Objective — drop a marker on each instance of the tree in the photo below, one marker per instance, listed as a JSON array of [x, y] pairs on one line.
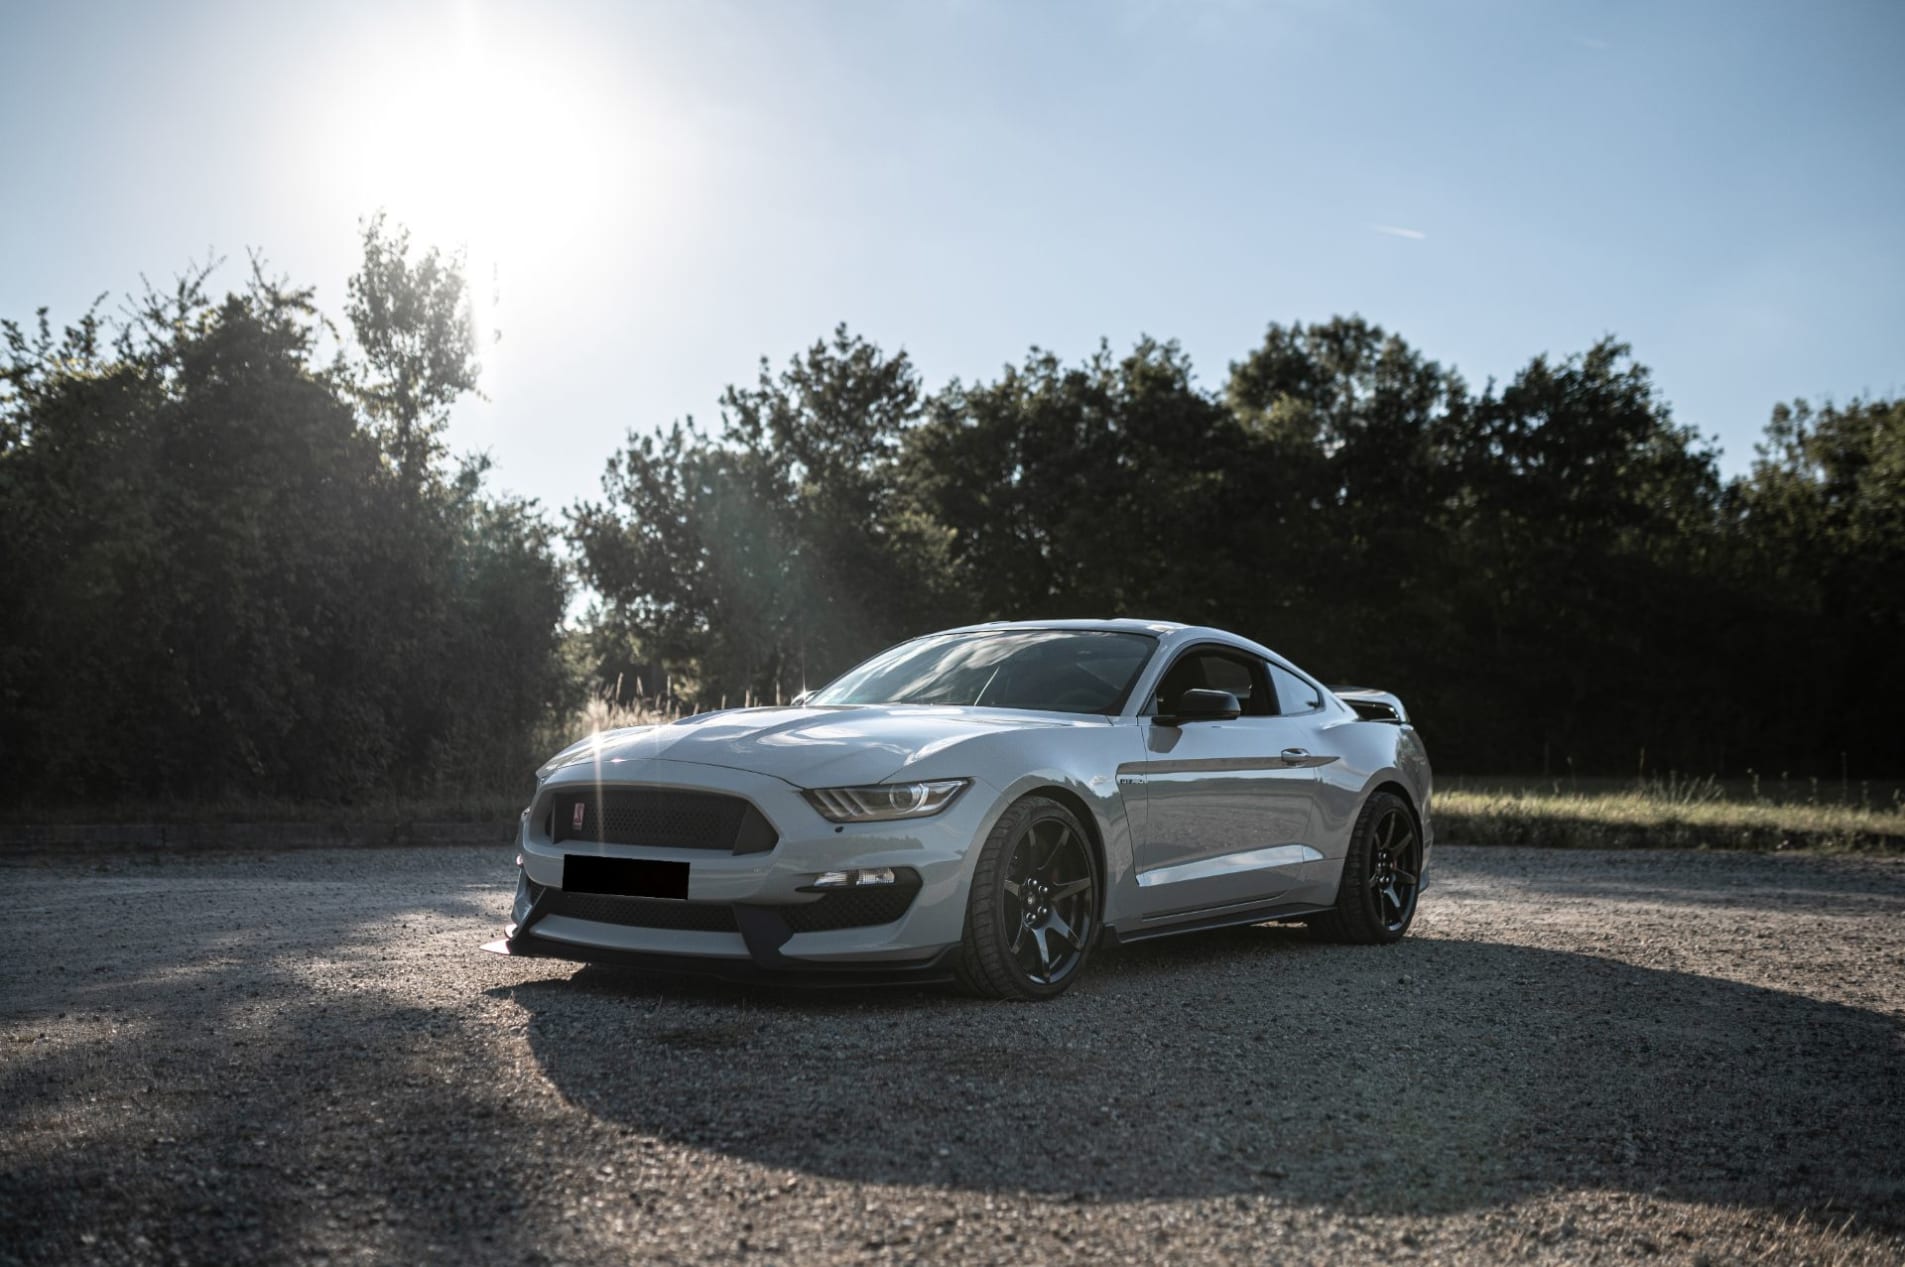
[[768, 556], [186, 502], [1352, 433], [249, 570], [1097, 488], [1824, 511], [235, 588], [1585, 516], [413, 322]]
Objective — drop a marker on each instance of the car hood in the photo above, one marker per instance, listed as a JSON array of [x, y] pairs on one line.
[[810, 747]]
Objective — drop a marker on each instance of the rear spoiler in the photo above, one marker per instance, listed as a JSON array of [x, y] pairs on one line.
[[1372, 705]]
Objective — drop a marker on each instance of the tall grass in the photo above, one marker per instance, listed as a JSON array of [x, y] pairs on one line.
[[608, 709], [1672, 811]]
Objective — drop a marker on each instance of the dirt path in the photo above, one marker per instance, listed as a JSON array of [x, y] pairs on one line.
[[1577, 1057]]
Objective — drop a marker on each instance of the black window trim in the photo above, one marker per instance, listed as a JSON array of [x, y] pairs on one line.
[[1323, 693]]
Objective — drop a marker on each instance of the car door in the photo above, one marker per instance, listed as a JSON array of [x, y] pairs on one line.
[[1230, 815]]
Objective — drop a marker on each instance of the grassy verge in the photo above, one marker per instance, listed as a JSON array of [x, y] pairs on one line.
[[472, 808], [1583, 813], [1671, 813]]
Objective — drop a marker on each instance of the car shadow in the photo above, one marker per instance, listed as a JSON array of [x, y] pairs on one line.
[[1433, 1075]]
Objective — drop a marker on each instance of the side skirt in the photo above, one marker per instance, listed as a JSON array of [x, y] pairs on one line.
[[1223, 919]]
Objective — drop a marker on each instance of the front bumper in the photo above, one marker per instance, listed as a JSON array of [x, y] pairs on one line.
[[754, 914]]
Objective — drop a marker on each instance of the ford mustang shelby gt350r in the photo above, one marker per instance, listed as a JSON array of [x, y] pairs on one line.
[[984, 804]]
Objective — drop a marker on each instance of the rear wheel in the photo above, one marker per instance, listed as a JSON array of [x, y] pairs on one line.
[[1032, 915], [1382, 876]]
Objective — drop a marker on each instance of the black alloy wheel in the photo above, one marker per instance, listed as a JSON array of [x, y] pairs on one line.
[[1033, 913], [1382, 877], [1396, 875]]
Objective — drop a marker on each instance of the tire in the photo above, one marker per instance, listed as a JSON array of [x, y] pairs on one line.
[[1382, 877], [1032, 913]]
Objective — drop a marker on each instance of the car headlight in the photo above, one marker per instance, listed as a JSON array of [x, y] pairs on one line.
[[883, 802]]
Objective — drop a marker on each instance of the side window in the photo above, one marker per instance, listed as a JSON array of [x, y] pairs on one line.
[[1216, 672], [1293, 693]]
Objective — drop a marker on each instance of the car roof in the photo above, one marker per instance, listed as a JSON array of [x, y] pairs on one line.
[[1168, 632], [1121, 624]]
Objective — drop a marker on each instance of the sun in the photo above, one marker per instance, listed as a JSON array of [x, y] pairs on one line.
[[496, 134]]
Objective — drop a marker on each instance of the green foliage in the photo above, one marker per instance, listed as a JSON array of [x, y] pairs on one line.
[[240, 571], [1822, 525], [412, 319], [228, 581], [1076, 490], [1550, 570], [764, 559], [1583, 513], [1356, 474]]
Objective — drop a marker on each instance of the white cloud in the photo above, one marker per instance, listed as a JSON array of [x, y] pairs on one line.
[[1394, 231]]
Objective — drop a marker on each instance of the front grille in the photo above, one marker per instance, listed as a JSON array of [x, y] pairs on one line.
[[660, 817], [642, 912], [858, 907]]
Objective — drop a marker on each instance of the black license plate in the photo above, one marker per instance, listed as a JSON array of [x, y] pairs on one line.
[[624, 877]]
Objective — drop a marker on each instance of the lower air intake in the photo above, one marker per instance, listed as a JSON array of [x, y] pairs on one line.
[[859, 907], [643, 912]]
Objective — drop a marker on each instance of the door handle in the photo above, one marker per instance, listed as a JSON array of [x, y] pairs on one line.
[[1294, 755]]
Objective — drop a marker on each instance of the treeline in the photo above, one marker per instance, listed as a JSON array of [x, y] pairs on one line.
[[237, 560], [1550, 571], [236, 565]]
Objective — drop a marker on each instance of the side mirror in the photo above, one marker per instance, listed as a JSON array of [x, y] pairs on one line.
[[800, 699], [1203, 705]]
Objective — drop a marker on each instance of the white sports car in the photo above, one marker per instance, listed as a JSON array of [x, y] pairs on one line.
[[985, 804]]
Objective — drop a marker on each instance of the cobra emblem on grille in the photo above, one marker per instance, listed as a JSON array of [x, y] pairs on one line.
[[581, 810]]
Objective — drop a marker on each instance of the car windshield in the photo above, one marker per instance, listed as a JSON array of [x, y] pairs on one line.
[[1051, 670]]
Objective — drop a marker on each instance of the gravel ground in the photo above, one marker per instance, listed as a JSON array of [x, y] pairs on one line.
[[1576, 1057]]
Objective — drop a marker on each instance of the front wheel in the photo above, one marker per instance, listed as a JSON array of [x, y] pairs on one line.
[[1032, 915], [1382, 876]]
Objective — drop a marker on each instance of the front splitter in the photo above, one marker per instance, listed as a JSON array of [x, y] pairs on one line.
[[933, 970]]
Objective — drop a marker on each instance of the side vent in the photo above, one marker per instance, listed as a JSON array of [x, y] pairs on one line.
[[1372, 705]]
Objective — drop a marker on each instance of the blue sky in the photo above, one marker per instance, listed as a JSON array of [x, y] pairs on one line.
[[656, 196]]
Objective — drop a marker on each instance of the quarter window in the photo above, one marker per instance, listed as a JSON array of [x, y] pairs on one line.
[[1293, 693]]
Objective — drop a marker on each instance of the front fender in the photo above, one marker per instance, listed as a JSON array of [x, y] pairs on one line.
[[1108, 821], [1083, 768]]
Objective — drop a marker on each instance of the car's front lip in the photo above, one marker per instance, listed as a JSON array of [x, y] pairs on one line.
[[938, 849], [930, 969]]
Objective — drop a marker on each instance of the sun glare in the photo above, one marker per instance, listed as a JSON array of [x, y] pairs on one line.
[[504, 140]]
